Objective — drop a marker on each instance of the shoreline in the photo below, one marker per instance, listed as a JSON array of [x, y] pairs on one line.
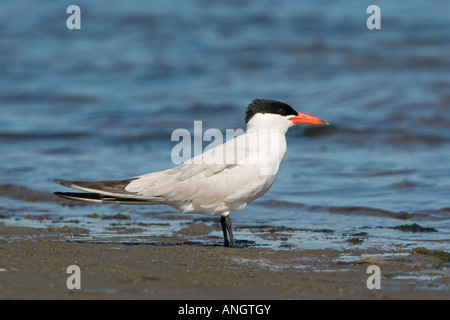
[[34, 262]]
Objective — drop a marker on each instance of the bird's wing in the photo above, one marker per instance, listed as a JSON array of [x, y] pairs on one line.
[[111, 188], [207, 179], [99, 198], [178, 184], [221, 174], [205, 186]]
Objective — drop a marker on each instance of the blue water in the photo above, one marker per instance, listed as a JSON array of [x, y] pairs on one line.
[[101, 103]]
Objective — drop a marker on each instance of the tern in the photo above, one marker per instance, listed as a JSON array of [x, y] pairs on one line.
[[222, 179]]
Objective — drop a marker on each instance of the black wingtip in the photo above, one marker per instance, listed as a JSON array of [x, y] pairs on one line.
[[65, 183], [79, 195]]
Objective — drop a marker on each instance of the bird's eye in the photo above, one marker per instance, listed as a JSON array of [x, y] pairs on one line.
[[281, 111]]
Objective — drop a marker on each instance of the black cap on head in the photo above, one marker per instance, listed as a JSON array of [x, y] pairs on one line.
[[268, 106]]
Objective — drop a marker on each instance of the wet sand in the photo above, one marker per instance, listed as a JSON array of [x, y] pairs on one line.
[[34, 261]]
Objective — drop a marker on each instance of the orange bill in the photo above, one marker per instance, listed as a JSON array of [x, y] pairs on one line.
[[307, 119]]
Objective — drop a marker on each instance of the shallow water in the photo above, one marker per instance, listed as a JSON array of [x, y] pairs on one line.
[[101, 103]]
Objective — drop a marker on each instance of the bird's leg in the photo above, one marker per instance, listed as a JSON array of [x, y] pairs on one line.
[[230, 232], [227, 231], [224, 230]]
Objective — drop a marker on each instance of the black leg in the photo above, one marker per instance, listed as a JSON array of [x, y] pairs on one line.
[[224, 230], [227, 231], [230, 232]]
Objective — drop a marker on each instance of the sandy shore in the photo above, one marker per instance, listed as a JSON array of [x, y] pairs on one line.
[[33, 265]]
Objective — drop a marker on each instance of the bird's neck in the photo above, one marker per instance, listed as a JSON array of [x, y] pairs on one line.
[[268, 147]]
